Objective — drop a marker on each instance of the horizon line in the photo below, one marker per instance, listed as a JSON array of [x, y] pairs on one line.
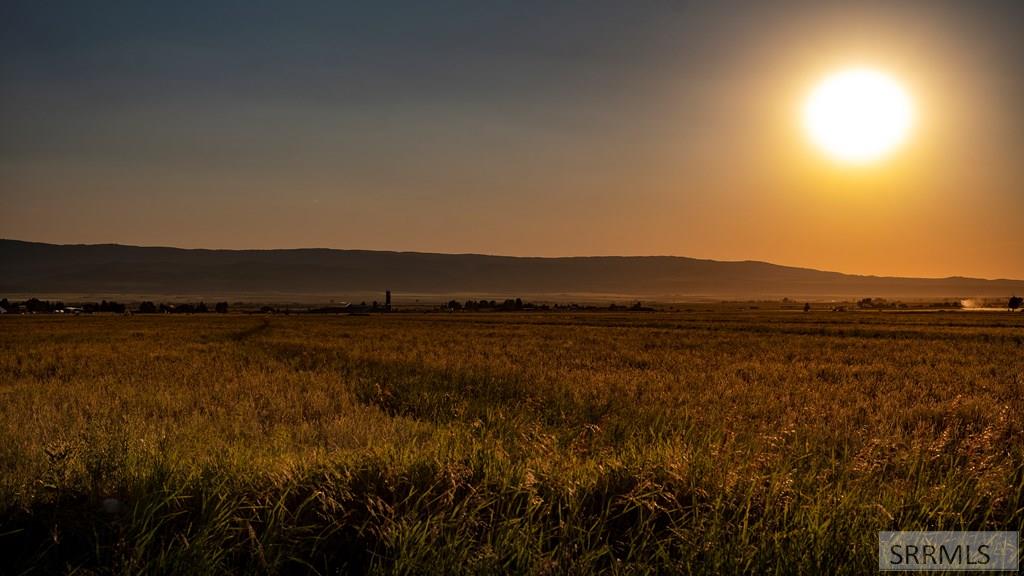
[[480, 254]]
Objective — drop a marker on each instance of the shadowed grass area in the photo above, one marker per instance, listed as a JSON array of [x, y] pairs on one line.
[[706, 442]]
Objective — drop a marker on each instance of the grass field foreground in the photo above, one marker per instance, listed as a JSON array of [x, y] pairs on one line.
[[713, 441]]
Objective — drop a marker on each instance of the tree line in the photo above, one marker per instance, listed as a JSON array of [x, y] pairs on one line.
[[516, 304], [37, 306]]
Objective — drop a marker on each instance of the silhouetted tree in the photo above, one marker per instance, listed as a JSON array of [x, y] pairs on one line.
[[37, 305], [454, 305], [866, 303], [147, 307], [201, 308], [105, 306], [1015, 302], [807, 307], [221, 308]]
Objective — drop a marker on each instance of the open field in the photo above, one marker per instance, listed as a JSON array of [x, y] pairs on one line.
[[713, 441]]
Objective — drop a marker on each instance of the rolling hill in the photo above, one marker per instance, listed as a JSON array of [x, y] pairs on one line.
[[41, 269]]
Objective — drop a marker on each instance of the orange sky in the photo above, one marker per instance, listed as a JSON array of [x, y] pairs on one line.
[[523, 131]]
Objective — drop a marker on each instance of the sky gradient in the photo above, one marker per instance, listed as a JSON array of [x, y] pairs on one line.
[[542, 129]]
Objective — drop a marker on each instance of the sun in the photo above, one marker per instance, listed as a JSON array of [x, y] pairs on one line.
[[858, 115]]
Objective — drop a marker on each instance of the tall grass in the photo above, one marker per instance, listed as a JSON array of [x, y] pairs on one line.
[[706, 442]]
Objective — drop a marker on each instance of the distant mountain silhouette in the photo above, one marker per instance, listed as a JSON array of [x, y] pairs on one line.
[[37, 268]]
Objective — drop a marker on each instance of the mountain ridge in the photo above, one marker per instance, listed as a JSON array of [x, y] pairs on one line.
[[36, 267]]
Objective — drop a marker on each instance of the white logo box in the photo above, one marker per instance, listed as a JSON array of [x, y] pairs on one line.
[[995, 551]]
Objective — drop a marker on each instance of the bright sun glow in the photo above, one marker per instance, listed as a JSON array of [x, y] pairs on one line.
[[858, 115]]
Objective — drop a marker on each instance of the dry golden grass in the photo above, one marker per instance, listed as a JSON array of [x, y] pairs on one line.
[[712, 441]]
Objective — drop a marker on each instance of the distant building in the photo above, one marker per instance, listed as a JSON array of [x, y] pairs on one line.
[[353, 308]]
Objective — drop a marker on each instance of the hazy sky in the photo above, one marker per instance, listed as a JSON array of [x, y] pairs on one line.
[[547, 128]]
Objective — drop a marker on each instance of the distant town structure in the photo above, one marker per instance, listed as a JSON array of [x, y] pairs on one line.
[[356, 308]]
